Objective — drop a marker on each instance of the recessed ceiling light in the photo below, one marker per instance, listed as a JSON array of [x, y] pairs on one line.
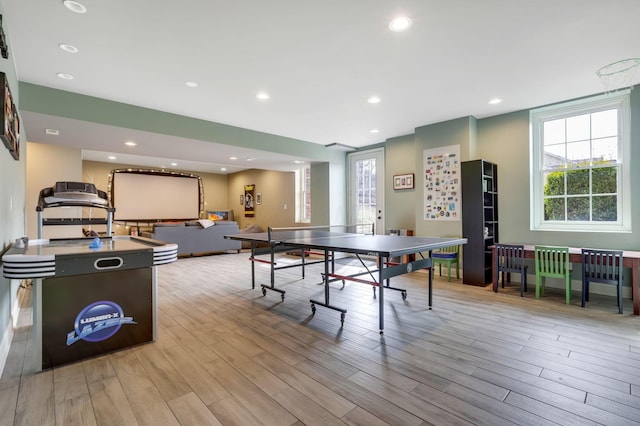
[[130, 143], [53, 132], [65, 76], [263, 96], [224, 169], [374, 100], [233, 158], [111, 157], [68, 48], [191, 84], [399, 24], [250, 159], [74, 6], [374, 131], [174, 164], [298, 161], [495, 101]]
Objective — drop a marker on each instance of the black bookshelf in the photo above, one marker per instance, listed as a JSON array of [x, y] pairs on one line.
[[479, 220]]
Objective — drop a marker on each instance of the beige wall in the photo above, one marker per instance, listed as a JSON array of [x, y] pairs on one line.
[[49, 164], [278, 197], [46, 165]]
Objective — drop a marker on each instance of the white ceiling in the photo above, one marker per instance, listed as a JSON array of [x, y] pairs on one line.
[[319, 60]]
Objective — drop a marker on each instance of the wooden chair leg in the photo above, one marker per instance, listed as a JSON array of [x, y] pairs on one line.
[[567, 291]]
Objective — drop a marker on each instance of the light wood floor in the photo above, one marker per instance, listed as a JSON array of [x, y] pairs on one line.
[[227, 355]]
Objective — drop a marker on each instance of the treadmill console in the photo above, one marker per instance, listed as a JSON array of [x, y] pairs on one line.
[[79, 190]]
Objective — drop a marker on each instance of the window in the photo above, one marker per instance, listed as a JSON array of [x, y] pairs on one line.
[[303, 195], [580, 181]]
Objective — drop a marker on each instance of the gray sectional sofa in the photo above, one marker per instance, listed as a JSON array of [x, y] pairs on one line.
[[193, 238]]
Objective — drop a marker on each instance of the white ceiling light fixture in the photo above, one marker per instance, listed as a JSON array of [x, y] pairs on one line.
[[191, 84], [224, 169], [130, 143], [374, 100], [374, 131], [111, 157], [68, 48], [174, 164], [263, 96], [233, 158], [495, 101], [65, 76], [74, 6], [399, 24], [52, 132]]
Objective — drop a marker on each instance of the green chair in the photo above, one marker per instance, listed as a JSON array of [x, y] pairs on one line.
[[552, 262], [448, 256]]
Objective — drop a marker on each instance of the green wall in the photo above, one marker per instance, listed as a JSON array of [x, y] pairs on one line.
[[12, 206]]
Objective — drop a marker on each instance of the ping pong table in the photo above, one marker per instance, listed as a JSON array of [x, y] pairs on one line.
[[325, 241]]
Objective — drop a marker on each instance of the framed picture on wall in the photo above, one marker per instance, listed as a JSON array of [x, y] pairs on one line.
[[10, 129], [405, 181]]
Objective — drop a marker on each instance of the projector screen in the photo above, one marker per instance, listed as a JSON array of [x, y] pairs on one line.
[[151, 196]]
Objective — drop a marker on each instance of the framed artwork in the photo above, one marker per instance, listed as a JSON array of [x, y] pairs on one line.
[[249, 197], [10, 129], [405, 181], [258, 198]]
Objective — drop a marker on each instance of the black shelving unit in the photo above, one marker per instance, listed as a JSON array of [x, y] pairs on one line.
[[479, 220]]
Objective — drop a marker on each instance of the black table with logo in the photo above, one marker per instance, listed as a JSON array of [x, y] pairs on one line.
[[90, 296]]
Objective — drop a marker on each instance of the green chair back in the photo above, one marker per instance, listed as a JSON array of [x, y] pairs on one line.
[[552, 262]]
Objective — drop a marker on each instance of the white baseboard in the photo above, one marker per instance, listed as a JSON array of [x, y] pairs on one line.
[[5, 345], [7, 335]]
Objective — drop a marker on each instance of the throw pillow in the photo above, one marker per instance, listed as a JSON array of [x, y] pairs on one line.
[[205, 223]]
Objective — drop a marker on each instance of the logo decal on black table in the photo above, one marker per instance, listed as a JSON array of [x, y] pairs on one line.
[[97, 322]]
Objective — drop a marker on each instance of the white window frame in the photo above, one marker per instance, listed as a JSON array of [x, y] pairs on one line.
[[537, 117], [301, 194]]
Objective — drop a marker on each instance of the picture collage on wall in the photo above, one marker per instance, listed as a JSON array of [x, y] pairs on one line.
[[442, 198]]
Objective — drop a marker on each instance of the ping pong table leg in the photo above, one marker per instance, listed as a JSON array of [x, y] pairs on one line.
[[253, 265], [430, 280], [272, 285], [383, 262], [327, 280]]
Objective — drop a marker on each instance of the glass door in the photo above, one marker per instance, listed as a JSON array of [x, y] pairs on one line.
[[366, 189]]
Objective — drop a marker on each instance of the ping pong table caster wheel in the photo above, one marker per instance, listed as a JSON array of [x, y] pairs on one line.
[[342, 318], [313, 309], [264, 291], [404, 295], [282, 296]]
